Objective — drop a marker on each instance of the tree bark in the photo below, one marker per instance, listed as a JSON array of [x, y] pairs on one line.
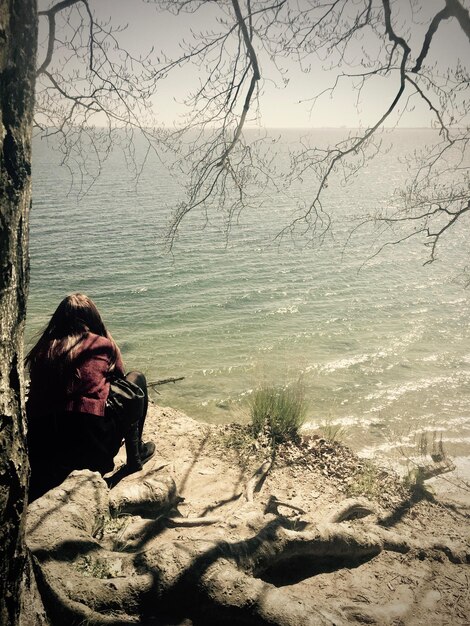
[[18, 39]]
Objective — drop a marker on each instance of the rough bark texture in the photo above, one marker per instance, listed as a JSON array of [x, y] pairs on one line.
[[18, 35]]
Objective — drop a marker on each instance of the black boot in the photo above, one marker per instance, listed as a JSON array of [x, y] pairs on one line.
[[132, 440], [147, 450], [137, 451]]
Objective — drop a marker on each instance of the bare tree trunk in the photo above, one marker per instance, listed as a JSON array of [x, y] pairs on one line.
[[18, 39]]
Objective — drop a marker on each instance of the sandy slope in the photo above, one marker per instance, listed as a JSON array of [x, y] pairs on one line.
[[219, 553], [400, 588]]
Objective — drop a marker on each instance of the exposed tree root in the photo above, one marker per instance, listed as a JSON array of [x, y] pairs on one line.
[[352, 508], [145, 493], [189, 522], [209, 579]]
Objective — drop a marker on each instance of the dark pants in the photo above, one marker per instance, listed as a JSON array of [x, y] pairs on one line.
[[139, 379], [61, 442]]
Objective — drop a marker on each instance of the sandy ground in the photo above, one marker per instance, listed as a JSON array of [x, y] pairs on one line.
[[409, 589]]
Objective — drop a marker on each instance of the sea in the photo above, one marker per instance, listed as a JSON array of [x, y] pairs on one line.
[[380, 342]]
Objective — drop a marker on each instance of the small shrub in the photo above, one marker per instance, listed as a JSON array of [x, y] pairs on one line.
[[332, 432], [280, 409], [414, 483], [414, 479], [431, 460]]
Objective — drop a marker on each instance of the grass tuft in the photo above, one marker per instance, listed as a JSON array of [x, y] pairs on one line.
[[280, 409], [333, 432]]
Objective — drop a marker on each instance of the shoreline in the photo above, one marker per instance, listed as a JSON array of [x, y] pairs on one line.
[[398, 455]]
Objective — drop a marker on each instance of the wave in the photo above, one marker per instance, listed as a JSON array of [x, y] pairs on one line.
[[393, 393], [139, 289], [344, 363], [210, 305], [284, 310]]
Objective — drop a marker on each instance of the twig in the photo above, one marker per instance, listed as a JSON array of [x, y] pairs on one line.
[[164, 381]]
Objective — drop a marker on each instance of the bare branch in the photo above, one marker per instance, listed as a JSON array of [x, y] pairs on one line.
[[254, 79], [50, 14], [462, 15], [94, 82], [433, 26], [435, 236], [444, 128]]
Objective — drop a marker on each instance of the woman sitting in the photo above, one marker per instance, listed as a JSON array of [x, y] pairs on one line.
[[70, 425]]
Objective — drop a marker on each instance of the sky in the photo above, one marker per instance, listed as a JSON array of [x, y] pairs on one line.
[[279, 107]]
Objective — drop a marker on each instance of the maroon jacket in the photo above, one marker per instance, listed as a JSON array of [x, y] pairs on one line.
[[90, 388]]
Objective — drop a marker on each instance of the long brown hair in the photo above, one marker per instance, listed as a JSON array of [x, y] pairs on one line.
[[59, 344]]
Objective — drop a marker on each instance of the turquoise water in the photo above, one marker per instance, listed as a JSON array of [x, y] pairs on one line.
[[382, 348]]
